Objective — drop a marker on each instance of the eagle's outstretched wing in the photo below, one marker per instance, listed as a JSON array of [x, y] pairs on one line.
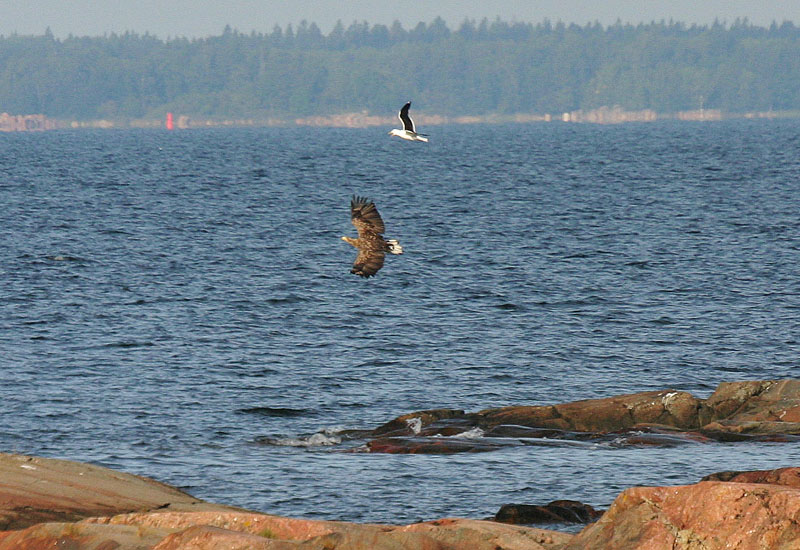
[[365, 217], [368, 263]]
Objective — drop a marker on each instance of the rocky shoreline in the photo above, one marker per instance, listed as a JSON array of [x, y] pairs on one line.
[[49, 503]]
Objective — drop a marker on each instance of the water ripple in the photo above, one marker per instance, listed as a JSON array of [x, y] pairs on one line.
[[166, 299]]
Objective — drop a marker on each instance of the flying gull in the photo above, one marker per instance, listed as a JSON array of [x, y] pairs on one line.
[[371, 245], [408, 132]]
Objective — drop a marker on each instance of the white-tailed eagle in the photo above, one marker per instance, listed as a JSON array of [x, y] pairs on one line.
[[371, 245]]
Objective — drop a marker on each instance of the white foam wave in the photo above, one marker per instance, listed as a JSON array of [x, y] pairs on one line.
[[474, 433], [319, 439]]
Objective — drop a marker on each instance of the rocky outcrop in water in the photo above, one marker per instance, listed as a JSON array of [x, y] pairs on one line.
[[752, 410]]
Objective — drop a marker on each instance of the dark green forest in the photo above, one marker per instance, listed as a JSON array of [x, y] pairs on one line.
[[480, 68]]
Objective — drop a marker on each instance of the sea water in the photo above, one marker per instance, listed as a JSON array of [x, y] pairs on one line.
[[179, 304]]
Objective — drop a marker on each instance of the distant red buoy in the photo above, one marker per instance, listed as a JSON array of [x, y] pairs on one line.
[[170, 124]]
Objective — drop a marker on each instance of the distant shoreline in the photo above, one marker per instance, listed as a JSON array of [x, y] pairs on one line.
[[601, 115]]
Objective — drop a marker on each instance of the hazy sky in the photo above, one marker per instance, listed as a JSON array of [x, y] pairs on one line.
[[197, 18]]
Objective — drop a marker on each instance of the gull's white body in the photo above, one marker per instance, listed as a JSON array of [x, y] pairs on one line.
[[408, 132], [405, 134]]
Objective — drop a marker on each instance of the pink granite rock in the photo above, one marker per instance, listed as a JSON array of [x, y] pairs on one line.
[[709, 515]]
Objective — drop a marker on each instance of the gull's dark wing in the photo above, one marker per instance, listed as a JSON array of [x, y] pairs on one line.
[[408, 124]]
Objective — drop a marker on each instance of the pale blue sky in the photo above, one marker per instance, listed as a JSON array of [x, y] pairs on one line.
[[197, 18]]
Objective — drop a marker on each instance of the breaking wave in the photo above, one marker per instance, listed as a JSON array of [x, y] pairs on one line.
[[474, 433], [324, 438]]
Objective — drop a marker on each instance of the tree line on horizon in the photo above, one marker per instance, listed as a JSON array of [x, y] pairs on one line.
[[480, 68]]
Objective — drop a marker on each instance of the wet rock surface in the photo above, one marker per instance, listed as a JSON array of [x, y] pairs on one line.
[[558, 511]]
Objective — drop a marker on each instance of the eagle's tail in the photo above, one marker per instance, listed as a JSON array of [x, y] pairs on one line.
[[394, 246]]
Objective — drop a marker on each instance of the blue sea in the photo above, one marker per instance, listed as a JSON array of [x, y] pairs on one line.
[[179, 304]]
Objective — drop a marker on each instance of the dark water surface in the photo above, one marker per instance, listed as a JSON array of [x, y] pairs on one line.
[[170, 301]]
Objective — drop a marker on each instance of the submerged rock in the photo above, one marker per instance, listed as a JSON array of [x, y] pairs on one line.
[[430, 445]]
